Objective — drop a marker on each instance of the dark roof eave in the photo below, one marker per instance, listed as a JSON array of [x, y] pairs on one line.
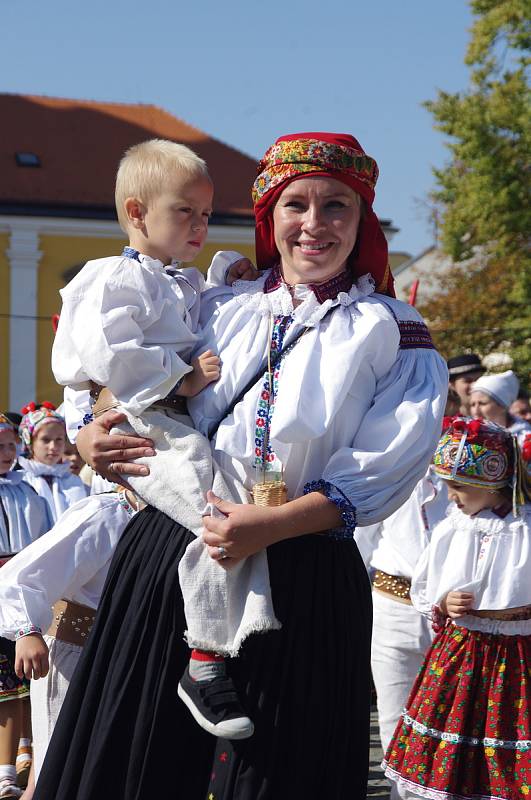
[[105, 213]]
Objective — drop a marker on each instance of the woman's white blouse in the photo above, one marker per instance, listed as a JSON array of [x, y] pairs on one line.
[[353, 408], [485, 555], [395, 545], [55, 484], [26, 513], [70, 561]]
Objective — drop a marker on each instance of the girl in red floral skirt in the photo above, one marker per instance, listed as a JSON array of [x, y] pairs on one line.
[[465, 733]]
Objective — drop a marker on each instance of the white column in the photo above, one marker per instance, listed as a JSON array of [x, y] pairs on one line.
[[24, 256]]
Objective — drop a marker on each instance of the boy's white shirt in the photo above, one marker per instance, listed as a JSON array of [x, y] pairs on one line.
[[70, 561], [132, 326]]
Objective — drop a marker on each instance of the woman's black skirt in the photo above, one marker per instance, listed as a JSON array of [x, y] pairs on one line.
[[123, 732]]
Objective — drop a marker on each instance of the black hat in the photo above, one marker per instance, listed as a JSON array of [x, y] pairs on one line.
[[461, 365]]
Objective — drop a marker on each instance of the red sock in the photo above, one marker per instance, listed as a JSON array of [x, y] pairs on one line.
[[206, 665]]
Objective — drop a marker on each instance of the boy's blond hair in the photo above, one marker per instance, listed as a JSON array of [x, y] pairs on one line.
[[145, 169]]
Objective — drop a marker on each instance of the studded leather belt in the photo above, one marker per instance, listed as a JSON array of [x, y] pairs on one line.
[[105, 400], [72, 622], [396, 586], [508, 614]]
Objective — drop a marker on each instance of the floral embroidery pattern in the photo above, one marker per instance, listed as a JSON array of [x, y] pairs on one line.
[[283, 160], [466, 730], [27, 630], [346, 509], [11, 686], [476, 452], [265, 459]]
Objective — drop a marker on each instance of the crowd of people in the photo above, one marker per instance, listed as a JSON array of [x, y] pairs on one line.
[[285, 497]]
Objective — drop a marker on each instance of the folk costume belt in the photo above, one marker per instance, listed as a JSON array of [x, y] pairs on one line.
[[105, 401], [72, 622], [395, 586], [508, 614]]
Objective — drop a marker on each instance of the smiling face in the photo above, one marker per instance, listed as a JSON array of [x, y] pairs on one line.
[[48, 443], [316, 223], [8, 450], [471, 499], [482, 406], [174, 225]]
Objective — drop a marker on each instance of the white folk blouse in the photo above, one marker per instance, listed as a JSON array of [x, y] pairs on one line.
[[131, 325], [54, 483], [485, 555], [360, 397], [70, 561]]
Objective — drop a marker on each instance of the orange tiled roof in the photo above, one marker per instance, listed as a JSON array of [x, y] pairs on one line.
[[80, 144]]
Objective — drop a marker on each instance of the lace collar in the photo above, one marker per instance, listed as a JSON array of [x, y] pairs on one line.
[[328, 290], [488, 522], [270, 295], [38, 469]]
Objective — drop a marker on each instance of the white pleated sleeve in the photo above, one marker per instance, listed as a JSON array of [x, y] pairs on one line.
[[70, 561]]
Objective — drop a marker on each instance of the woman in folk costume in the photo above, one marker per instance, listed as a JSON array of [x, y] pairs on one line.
[[43, 433], [23, 518], [330, 396], [465, 732]]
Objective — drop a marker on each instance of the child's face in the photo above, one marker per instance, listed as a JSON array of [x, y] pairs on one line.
[[48, 443], [8, 450], [71, 454], [175, 224], [471, 499]]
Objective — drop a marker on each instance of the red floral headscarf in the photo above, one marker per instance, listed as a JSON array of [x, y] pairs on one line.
[[331, 155]]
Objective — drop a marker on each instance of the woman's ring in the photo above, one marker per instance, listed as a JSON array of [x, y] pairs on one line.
[[222, 552], [112, 467]]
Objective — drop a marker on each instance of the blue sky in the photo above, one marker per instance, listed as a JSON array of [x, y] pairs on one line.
[[247, 72]]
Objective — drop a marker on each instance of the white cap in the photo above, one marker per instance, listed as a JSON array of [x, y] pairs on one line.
[[502, 387]]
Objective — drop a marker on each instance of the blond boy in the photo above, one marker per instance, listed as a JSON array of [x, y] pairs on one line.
[[129, 323]]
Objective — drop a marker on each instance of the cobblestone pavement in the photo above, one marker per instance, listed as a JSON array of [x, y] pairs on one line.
[[378, 786]]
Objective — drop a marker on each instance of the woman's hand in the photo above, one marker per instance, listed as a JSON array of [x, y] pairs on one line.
[[111, 455], [456, 604], [247, 529], [31, 657], [242, 270], [241, 529]]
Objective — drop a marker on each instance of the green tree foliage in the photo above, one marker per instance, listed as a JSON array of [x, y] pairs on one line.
[[482, 194]]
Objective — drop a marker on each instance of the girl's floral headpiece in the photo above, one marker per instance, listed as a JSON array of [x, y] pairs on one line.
[[479, 453], [475, 452], [34, 417]]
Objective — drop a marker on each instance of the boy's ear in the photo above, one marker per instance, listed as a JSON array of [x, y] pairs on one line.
[[136, 211]]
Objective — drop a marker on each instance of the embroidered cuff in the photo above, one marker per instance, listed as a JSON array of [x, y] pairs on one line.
[[346, 509], [27, 630]]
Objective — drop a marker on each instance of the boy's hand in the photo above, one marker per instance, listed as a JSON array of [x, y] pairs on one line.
[[206, 369], [243, 270], [456, 604], [31, 657]]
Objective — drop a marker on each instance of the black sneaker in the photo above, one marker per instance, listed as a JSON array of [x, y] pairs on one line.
[[215, 706]]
